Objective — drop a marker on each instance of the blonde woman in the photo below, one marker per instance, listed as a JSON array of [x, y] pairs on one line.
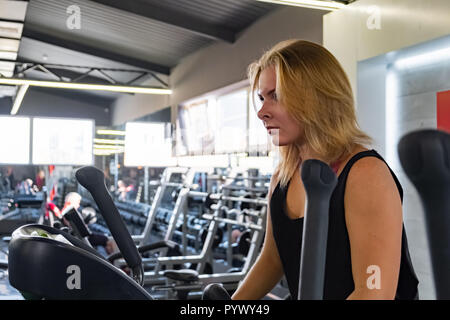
[[307, 108]]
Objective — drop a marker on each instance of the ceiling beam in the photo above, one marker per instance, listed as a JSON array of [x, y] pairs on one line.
[[68, 74], [172, 17], [94, 51]]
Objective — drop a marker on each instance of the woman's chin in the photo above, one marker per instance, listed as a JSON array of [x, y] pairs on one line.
[[278, 142]]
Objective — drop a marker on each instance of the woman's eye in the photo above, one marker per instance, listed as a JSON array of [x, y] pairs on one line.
[[274, 96], [260, 98]]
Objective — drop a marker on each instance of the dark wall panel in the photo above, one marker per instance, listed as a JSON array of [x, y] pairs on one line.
[[59, 103]]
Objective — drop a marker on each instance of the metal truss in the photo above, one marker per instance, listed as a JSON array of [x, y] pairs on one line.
[[67, 73]]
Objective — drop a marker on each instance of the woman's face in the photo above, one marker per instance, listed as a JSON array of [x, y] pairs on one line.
[[281, 126]]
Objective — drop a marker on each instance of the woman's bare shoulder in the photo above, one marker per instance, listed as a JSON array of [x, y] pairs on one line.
[[369, 173], [343, 162]]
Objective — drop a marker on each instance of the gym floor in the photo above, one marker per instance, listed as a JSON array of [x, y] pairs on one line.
[[7, 292]]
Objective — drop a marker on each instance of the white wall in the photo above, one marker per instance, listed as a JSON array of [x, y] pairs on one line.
[[370, 112], [135, 106], [222, 64], [403, 23], [36, 103]]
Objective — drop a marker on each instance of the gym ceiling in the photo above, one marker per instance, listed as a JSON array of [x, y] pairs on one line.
[[147, 36]]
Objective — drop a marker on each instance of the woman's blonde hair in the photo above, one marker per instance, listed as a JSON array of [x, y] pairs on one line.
[[313, 87]]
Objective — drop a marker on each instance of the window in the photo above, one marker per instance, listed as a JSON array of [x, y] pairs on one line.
[[147, 144], [195, 130], [62, 141], [221, 125], [15, 144], [231, 129]]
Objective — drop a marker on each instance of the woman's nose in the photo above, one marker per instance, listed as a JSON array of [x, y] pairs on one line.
[[263, 113]]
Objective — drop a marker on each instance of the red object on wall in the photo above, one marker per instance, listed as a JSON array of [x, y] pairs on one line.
[[443, 111]]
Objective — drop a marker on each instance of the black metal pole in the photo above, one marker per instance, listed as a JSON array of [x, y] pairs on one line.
[[319, 181], [425, 157]]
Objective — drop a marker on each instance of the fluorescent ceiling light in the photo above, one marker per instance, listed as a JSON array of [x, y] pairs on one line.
[[13, 10], [8, 55], [392, 116], [106, 152], [11, 29], [110, 132], [7, 66], [9, 44], [4, 73], [110, 147], [109, 141], [84, 86], [313, 4], [420, 60], [19, 98]]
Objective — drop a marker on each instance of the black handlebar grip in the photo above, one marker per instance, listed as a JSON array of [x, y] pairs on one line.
[[76, 222], [425, 157], [319, 181], [215, 291], [93, 180]]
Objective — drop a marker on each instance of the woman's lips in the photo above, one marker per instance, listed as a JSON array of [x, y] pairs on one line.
[[272, 130]]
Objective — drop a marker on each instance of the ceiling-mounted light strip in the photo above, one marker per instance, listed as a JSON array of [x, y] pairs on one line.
[[4, 73], [9, 44], [13, 10], [83, 86], [7, 66], [109, 147], [19, 98], [99, 153], [8, 55], [428, 58], [108, 132], [106, 152], [109, 141], [313, 4], [11, 29], [96, 153]]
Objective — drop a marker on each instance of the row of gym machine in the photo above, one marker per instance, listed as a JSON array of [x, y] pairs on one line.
[[202, 226]]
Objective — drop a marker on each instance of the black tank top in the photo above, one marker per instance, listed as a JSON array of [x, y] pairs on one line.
[[338, 282]]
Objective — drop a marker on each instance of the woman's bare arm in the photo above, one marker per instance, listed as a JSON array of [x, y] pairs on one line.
[[373, 212], [267, 270]]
